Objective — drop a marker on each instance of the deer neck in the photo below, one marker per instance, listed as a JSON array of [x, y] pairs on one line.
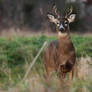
[[64, 39]]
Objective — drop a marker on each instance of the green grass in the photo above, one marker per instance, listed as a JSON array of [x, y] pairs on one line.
[[18, 52]]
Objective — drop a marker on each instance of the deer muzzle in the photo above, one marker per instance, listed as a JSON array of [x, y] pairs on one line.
[[61, 28]]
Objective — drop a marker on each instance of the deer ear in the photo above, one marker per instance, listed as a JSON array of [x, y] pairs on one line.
[[52, 18], [71, 18]]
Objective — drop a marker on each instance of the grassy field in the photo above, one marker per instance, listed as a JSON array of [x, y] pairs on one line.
[[17, 53]]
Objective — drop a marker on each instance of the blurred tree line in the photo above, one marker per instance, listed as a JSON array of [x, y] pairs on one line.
[[32, 13]]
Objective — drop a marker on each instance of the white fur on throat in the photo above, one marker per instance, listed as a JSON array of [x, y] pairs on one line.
[[62, 34]]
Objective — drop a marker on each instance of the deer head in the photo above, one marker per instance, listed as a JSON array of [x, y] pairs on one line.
[[62, 23]]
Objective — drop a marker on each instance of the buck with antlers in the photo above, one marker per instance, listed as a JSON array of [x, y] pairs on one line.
[[60, 54]]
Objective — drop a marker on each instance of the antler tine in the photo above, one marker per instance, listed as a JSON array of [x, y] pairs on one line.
[[71, 10], [55, 11]]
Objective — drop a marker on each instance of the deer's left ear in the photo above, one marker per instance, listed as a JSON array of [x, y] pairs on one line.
[[71, 18]]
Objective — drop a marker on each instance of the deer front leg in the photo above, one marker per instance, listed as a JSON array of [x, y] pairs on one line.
[[62, 71], [70, 77], [71, 73], [61, 76]]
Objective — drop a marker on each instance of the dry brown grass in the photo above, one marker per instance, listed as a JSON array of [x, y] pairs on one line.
[[36, 82]]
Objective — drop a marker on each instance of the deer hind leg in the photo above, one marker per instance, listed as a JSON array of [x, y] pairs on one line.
[[48, 74], [47, 80], [48, 71]]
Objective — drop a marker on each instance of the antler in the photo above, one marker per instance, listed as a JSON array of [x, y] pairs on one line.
[[55, 11], [71, 10]]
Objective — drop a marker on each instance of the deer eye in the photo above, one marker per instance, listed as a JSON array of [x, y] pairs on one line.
[[65, 23], [58, 24]]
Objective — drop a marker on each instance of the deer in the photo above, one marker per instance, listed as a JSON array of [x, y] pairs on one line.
[[60, 55]]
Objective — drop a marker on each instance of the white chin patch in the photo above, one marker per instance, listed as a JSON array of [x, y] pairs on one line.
[[62, 34]]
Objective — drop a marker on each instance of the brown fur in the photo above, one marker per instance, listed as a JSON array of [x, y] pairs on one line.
[[60, 56]]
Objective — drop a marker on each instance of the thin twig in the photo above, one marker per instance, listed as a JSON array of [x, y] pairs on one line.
[[33, 62]]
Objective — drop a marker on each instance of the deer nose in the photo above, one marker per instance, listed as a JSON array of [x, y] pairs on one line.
[[61, 28]]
